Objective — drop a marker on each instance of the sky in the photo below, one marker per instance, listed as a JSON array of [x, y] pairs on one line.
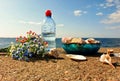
[[73, 18]]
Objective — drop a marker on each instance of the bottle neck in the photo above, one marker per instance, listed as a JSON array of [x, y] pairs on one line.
[[49, 19], [48, 16]]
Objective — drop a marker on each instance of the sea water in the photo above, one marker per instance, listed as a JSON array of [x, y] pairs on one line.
[[105, 42], [50, 38]]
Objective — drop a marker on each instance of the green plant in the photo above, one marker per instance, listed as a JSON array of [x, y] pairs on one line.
[[27, 47]]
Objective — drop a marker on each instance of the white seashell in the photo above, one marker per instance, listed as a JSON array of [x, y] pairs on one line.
[[96, 42], [102, 58], [76, 57], [91, 41], [105, 58], [86, 41]]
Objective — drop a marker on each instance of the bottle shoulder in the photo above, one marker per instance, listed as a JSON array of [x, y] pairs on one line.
[[49, 20]]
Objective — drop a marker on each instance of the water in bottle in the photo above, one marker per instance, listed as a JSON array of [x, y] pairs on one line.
[[49, 30]]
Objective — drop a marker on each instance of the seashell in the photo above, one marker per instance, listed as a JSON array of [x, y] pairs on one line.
[[105, 58], [91, 41], [66, 39], [76, 57], [87, 42], [96, 42], [77, 40]]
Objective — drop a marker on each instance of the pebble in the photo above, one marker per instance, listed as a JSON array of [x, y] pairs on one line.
[[66, 72]]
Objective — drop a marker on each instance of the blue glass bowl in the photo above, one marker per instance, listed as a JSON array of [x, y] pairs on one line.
[[81, 48]]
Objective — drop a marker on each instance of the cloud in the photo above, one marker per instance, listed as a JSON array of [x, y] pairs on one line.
[[117, 2], [60, 25], [106, 5], [109, 0], [113, 28], [112, 18], [38, 23], [102, 5], [115, 16], [31, 23], [111, 3], [84, 12], [99, 13], [79, 12]]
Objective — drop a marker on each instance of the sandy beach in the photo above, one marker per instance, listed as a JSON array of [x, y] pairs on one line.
[[61, 69]]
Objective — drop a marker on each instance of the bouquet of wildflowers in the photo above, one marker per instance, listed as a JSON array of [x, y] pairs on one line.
[[28, 46]]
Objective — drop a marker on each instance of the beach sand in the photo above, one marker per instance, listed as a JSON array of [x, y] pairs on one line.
[[61, 69]]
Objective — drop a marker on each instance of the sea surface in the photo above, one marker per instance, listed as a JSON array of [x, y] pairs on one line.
[[105, 42]]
